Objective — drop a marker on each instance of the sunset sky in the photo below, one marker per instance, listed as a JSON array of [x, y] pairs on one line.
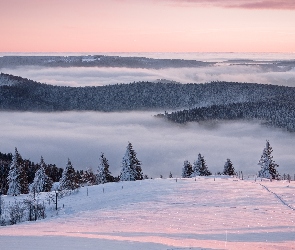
[[147, 26]]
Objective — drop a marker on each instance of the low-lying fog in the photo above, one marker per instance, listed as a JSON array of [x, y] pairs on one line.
[[160, 145], [95, 76]]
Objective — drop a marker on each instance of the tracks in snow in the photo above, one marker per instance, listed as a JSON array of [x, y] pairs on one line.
[[280, 198]]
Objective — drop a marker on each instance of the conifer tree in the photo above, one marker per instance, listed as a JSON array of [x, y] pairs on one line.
[[24, 182], [229, 168], [200, 168], [187, 170], [14, 185], [131, 166], [41, 183], [267, 164], [103, 172], [69, 179], [5, 163], [88, 177]]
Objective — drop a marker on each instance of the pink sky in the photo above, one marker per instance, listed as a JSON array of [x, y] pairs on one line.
[[147, 26]]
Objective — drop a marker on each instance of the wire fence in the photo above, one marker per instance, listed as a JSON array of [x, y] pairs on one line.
[[30, 208]]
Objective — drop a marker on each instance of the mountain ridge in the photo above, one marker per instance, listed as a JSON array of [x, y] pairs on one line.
[[215, 100]]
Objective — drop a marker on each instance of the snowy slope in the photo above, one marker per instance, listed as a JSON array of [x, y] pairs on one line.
[[224, 213]]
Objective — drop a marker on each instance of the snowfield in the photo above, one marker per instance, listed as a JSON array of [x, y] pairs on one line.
[[165, 214]]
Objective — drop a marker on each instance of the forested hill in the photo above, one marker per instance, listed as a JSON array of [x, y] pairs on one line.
[[99, 61], [275, 113], [21, 94]]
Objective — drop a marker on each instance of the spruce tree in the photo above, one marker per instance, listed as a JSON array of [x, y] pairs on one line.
[[41, 183], [103, 172], [267, 164], [131, 166], [14, 184], [69, 179], [200, 168], [24, 182], [87, 177], [229, 168], [187, 170], [5, 163]]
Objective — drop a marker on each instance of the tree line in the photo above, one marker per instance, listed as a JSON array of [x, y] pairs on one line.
[[19, 176], [268, 167]]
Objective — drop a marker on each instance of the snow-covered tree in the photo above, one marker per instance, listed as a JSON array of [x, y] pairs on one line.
[[14, 175], [103, 173], [268, 165], [69, 178], [131, 166], [41, 183], [187, 170], [88, 177], [229, 168], [200, 168]]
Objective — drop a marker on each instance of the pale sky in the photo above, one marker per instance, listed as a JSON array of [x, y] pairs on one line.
[[147, 26]]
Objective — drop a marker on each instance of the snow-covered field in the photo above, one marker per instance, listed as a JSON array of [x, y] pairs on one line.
[[206, 213]]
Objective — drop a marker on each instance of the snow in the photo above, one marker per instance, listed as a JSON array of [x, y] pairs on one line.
[[202, 213], [6, 81]]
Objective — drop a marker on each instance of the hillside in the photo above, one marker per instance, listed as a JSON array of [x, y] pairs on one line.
[[206, 213], [22, 94], [274, 112], [274, 105]]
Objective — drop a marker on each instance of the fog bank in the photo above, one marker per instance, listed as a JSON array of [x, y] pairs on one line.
[[95, 76], [160, 145]]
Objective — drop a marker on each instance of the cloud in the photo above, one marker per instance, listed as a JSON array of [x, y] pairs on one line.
[[160, 145], [243, 4]]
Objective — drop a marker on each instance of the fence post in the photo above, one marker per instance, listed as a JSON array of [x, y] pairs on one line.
[[56, 193], [43, 210]]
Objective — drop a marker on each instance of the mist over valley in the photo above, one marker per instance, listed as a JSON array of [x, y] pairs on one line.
[[162, 146]]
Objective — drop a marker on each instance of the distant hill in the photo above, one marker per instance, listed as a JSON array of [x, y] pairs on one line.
[[216, 100], [98, 61], [272, 112]]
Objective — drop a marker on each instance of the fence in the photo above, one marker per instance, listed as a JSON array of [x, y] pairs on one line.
[[31, 208]]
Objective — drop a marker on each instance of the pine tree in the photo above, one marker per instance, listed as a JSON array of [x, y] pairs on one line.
[[14, 176], [170, 175], [229, 168], [131, 166], [41, 183], [103, 174], [268, 165], [69, 178], [200, 168], [187, 170]]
